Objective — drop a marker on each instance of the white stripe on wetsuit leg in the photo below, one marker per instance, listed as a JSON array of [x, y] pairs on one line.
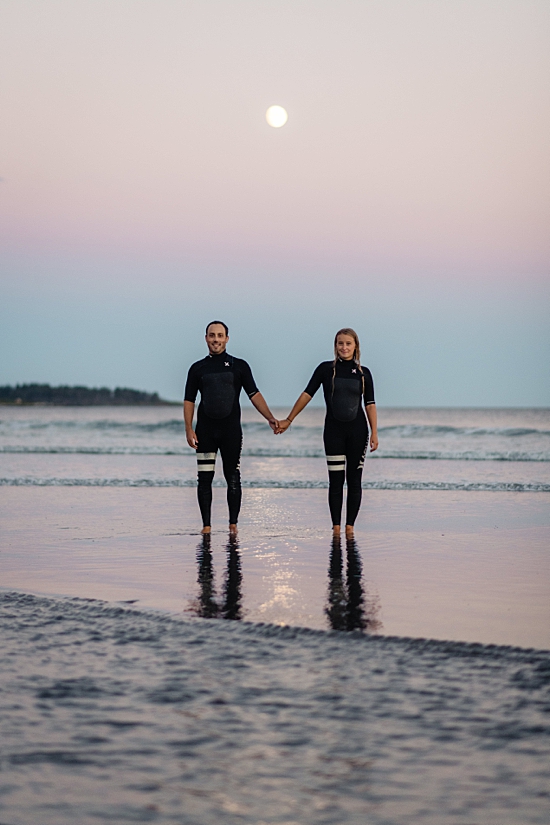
[[336, 462], [206, 462]]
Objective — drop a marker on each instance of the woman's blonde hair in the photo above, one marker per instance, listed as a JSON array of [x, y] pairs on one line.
[[356, 355]]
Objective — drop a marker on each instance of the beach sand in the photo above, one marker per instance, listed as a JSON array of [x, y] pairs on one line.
[[115, 714], [465, 566]]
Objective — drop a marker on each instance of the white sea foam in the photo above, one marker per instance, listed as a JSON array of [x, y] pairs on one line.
[[516, 487]]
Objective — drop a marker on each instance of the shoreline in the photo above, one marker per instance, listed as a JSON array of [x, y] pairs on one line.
[[280, 630], [456, 566]]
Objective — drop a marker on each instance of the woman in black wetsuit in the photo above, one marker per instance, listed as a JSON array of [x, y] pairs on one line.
[[346, 434]]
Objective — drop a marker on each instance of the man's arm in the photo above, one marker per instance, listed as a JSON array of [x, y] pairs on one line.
[[250, 388], [261, 405], [188, 413]]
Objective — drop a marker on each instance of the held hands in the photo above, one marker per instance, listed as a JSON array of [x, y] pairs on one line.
[[282, 426], [278, 427]]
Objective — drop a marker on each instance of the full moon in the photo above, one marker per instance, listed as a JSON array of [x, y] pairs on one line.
[[276, 116]]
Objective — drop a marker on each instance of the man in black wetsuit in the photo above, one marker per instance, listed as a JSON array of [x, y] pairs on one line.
[[219, 378]]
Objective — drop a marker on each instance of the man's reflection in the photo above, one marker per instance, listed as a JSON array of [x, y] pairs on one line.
[[346, 599], [207, 605], [232, 607]]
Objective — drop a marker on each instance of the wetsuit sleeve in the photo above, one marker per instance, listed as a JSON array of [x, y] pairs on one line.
[[316, 380], [249, 385], [368, 392], [191, 385]]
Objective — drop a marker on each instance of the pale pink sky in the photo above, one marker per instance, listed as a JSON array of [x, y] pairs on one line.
[[135, 150]]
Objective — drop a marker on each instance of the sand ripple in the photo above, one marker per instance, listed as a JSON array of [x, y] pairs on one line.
[[109, 714]]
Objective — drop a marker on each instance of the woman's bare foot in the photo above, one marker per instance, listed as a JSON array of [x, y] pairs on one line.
[[233, 529], [349, 531], [206, 531], [336, 531]]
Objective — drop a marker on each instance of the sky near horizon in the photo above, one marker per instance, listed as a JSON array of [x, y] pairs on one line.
[[143, 194]]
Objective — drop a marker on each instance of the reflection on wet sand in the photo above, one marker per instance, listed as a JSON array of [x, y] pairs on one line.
[[207, 605], [232, 604], [348, 607]]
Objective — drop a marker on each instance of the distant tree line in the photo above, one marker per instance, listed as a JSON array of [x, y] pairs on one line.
[[76, 396]]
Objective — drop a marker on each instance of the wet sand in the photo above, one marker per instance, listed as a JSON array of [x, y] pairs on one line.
[[119, 715], [465, 566]]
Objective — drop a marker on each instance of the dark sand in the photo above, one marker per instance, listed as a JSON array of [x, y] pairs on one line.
[[118, 715]]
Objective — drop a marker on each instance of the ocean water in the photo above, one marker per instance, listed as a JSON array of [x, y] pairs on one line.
[[448, 449], [109, 714]]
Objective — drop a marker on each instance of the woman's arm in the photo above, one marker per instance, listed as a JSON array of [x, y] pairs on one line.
[[373, 426], [302, 402]]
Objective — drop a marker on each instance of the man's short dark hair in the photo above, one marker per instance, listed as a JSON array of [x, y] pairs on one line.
[[226, 328]]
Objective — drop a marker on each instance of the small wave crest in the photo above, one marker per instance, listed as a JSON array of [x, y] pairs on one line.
[[297, 452], [177, 425], [423, 431], [102, 424], [269, 484]]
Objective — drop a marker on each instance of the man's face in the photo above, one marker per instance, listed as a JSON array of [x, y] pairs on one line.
[[216, 339]]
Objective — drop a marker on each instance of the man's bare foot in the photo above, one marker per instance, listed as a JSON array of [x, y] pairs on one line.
[[206, 531], [336, 531], [349, 531], [233, 528]]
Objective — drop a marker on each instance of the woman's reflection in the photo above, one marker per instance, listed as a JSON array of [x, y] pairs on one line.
[[336, 608], [346, 608], [207, 605], [232, 607]]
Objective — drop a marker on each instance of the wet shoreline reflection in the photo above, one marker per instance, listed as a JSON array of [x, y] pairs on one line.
[[207, 605], [347, 608]]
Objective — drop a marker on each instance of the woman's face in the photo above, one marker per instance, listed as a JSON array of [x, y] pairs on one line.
[[345, 347]]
